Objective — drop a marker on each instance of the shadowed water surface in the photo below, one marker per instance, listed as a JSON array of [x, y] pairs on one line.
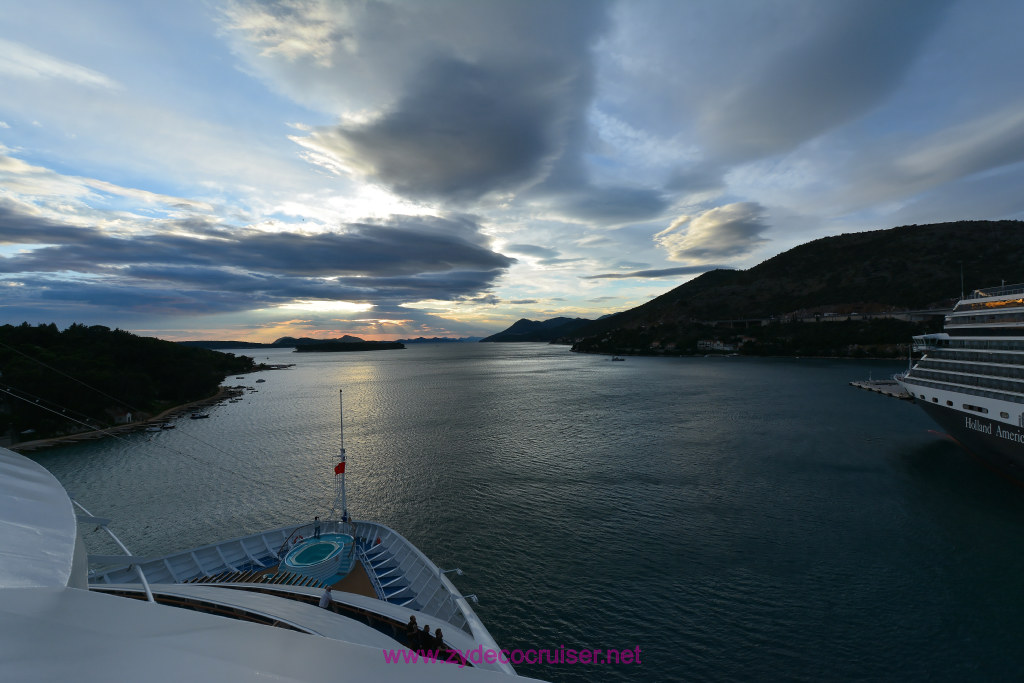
[[737, 519]]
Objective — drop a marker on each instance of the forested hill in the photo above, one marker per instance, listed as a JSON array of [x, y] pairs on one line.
[[524, 330], [97, 374], [906, 268], [910, 267]]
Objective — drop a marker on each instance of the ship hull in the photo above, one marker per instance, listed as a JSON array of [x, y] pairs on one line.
[[996, 443]]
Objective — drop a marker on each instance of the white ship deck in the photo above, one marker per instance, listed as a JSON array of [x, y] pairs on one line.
[[53, 626]]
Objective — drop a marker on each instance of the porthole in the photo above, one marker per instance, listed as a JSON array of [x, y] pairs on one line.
[[1004, 415], [949, 403], [935, 400]]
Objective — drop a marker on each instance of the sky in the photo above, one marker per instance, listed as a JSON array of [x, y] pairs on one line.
[[250, 169]]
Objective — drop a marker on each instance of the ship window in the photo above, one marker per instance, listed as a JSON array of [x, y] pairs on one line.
[[1004, 415], [922, 395], [935, 400], [949, 403], [977, 409]]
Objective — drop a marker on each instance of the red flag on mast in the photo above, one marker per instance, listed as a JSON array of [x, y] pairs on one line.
[[339, 468]]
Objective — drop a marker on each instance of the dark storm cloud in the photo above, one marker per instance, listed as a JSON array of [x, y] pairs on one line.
[[404, 246], [204, 268], [17, 227], [462, 131], [467, 99], [857, 56], [109, 298], [662, 272]]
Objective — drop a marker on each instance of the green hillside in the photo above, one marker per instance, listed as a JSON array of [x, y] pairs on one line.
[[96, 375], [870, 274]]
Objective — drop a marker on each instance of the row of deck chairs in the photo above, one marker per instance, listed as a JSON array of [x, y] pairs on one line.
[[256, 576]]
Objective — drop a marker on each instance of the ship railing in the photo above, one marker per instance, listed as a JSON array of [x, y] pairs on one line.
[[103, 524], [437, 595], [929, 342], [377, 588], [326, 525], [291, 535], [996, 291]]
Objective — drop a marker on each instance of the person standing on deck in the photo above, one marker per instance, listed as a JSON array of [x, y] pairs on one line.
[[316, 527], [412, 632], [326, 598]]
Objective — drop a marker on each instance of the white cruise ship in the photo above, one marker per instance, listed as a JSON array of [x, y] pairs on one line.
[[971, 376], [251, 607]]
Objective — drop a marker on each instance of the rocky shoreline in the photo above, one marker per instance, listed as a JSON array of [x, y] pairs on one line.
[[223, 393]]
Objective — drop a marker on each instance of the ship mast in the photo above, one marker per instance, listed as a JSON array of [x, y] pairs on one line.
[[339, 469]]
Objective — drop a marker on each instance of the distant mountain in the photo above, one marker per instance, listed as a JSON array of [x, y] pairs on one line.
[[539, 331], [283, 342], [301, 341], [211, 344], [439, 340], [856, 276], [360, 345]]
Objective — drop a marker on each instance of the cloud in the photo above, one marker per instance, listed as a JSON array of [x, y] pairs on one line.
[[461, 131], [613, 205], [21, 61], [19, 227], [856, 55], [745, 81], [887, 175], [532, 250], [446, 100], [293, 29], [725, 232], [658, 272], [196, 266], [992, 141]]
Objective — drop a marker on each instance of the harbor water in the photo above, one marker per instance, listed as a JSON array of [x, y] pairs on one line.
[[733, 518]]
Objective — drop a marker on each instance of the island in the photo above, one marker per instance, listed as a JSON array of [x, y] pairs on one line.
[[333, 346]]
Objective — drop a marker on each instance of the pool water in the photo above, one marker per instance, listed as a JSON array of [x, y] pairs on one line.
[[313, 556], [317, 552]]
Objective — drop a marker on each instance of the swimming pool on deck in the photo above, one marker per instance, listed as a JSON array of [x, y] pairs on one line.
[[328, 558]]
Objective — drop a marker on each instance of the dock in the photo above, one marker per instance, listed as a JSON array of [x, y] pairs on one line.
[[886, 387]]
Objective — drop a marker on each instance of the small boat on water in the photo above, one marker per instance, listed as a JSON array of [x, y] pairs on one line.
[[618, 358], [240, 609], [260, 380]]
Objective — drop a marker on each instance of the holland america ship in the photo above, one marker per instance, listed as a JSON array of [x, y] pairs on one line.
[[971, 377]]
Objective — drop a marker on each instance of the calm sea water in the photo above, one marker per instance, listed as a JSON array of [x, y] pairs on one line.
[[737, 519]]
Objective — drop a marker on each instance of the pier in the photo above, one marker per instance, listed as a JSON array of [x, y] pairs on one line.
[[886, 387]]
